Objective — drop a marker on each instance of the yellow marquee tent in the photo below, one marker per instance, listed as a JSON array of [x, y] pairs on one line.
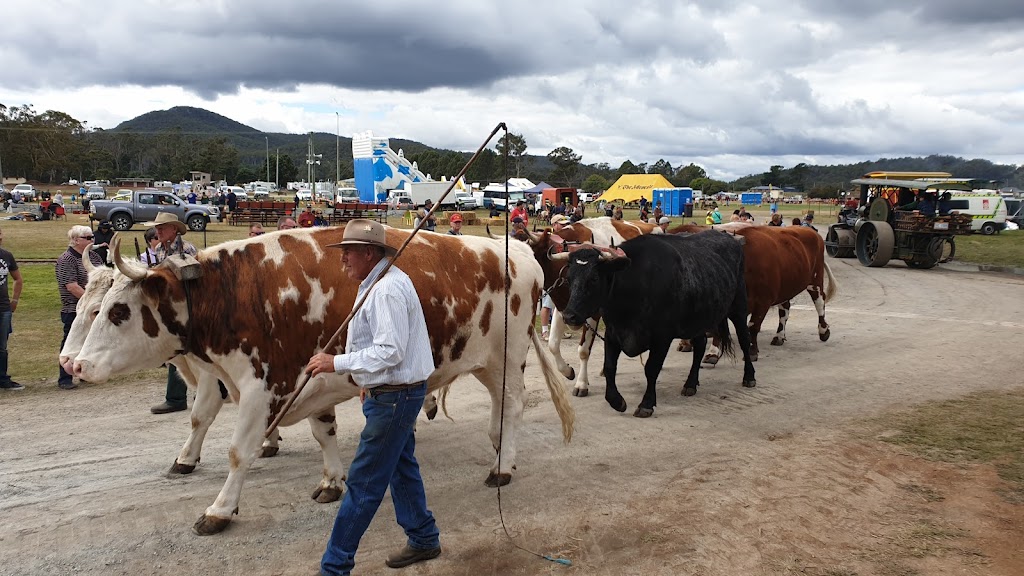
[[630, 187]]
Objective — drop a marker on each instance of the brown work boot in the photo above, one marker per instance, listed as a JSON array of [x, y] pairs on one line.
[[409, 555]]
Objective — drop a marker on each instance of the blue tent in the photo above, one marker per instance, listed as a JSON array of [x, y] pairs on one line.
[[538, 188]]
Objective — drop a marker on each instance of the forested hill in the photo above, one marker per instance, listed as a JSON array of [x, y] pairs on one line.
[[188, 120]]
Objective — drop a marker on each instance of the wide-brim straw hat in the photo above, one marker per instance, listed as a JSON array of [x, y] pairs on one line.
[[168, 218], [558, 218], [365, 232]]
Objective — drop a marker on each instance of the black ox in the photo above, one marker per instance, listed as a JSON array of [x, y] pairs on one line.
[[655, 289]]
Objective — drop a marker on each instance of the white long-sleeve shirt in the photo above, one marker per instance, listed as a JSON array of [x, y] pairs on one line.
[[387, 338]]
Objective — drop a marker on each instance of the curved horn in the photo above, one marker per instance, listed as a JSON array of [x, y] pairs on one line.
[[488, 228], [129, 271], [534, 238], [560, 257], [86, 261]]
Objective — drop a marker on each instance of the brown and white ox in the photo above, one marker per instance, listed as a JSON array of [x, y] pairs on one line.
[[262, 306], [779, 263], [603, 231]]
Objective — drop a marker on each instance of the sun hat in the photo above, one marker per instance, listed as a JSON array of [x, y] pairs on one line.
[[559, 219], [664, 220], [168, 218], [455, 218], [365, 232]]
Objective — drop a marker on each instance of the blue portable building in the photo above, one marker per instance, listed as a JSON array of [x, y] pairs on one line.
[[748, 198], [673, 200]]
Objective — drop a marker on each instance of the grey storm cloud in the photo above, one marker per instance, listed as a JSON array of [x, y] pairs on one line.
[[385, 46]]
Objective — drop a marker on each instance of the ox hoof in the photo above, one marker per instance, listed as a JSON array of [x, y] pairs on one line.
[[710, 360], [778, 341], [210, 525], [179, 468], [269, 451], [581, 392], [572, 374], [325, 495], [494, 480], [749, 383], [824, 335], [753, 356], [684, 347], [688, 391], [432, 413], [642, 412]]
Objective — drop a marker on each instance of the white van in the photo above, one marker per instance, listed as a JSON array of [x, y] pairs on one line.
[[986, 206]]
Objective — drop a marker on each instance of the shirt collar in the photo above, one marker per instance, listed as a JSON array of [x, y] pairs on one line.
[[372, 276]]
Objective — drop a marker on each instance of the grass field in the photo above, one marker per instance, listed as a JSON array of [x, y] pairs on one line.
[[37, 333], [984, 428]]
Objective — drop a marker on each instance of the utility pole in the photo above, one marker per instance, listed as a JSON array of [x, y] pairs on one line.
[[337, 153], [267, 138], [277, 171]]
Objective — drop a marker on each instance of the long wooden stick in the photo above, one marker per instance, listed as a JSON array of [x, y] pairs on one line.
[[359, 304]]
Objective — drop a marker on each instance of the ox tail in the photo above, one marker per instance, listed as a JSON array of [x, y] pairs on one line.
[[831, 287], [726, 349], [553, 378], [443, 394]]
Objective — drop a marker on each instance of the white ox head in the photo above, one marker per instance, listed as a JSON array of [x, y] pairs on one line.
[[100, 280], [129, 330]]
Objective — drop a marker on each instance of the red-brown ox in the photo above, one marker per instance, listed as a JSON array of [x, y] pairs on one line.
[[779, 264], [262, 306], [601, 231]]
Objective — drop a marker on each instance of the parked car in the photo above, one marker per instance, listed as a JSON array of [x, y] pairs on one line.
[[99, 193], [260, 194], [304, 195], [146, 204], [26, 190], [466, 200], [347, 195], [1015, 211]]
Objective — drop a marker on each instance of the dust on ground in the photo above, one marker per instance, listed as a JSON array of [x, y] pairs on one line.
[[791, 477]]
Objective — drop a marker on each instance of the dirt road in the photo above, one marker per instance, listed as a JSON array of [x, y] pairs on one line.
[[786, 478]]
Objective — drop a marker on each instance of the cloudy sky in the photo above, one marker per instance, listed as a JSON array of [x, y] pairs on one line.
[[733, 86]]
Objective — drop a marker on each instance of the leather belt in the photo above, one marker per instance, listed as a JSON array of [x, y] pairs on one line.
[[385, 388]]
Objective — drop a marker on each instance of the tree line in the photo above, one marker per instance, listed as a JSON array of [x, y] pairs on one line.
[[53, 147]]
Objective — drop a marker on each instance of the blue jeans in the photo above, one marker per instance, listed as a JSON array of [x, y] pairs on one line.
[[67, 318], [5, 328], [385, 457]]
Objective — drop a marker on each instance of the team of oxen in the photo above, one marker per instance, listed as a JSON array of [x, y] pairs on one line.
[[261, 307]]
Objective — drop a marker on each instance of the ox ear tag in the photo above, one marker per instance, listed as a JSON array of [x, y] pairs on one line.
[[185, 267]]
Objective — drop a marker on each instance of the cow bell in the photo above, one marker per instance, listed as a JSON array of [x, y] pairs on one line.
[[184, 266]]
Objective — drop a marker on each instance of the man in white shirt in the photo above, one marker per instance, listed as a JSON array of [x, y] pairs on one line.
[[388, 355]]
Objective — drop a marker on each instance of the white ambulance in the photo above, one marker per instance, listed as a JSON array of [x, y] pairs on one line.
[[987, 207]]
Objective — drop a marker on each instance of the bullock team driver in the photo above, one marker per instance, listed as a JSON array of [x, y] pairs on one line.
[[388, 355], [71, 281], [168, 228]]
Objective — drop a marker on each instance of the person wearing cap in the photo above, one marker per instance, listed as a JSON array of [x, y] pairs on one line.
[[658, 213], [663, 223], [520, 212], [306, 217], [809, 220], [422, 213], [168, 228], [559, 221], [101, 239], [456, 225], [387, 354]]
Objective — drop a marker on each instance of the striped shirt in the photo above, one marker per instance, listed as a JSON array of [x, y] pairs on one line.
[[70, 269], [387, 338]]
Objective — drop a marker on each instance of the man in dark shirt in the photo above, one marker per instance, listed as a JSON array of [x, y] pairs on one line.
[[104, 235], [8, 304]]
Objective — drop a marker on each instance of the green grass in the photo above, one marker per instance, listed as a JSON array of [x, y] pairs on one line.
[[984, 428], [1003, 249]]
